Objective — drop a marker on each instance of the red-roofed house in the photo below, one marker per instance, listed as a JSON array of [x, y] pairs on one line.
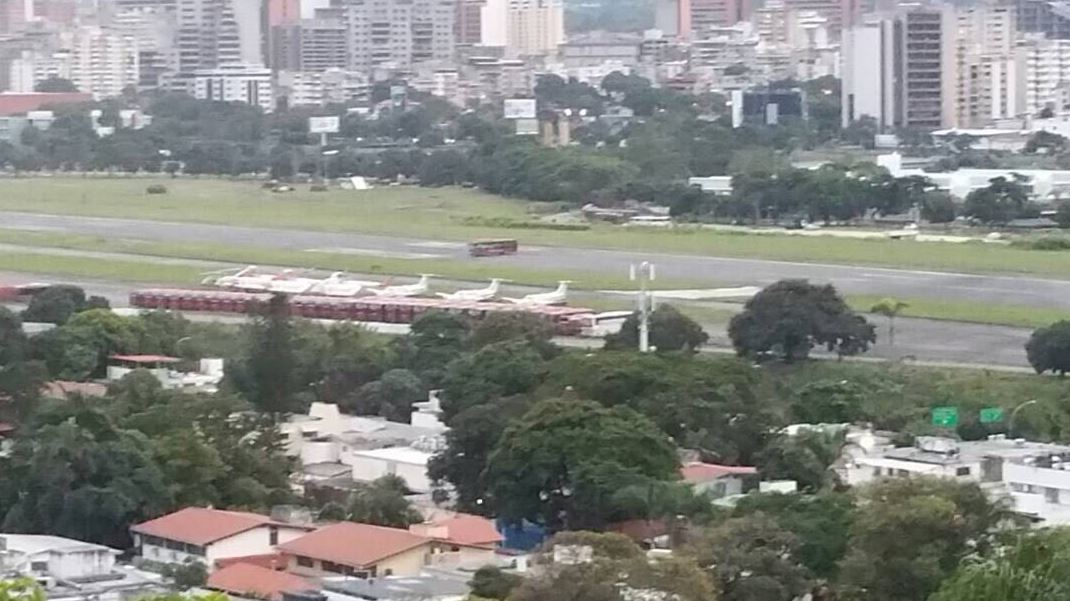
[[465, 540], [208, 535], [359, 550], [717, 480], [20, 104], [248, 580]]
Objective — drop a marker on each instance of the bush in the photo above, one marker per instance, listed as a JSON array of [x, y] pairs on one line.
[[1043, 243], [156, 189], [505, 222]]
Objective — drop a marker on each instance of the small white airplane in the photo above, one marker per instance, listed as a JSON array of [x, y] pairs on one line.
[[245, 278], [557, 297], [337, 284], [477, 294], [418, 289]]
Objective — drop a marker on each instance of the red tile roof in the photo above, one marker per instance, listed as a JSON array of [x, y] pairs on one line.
[[60, 389], [6, 428], [462, 529], [201, 526], [18, 104], [145, 358], [354, 545], [246, 579], [697, 471], [271, 561]]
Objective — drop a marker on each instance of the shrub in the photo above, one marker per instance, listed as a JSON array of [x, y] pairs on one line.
[[156, 189]]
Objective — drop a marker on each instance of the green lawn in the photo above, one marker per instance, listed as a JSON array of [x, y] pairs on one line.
[[439, 214], [975, 312]]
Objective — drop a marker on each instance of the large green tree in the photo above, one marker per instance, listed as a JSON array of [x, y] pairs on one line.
[[382, 502], [561, 462], [909, 534], [268, 375], [1033, 567], [670, 330], [789, 318], [1048, 349]]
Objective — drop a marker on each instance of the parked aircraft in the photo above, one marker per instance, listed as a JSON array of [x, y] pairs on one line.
[[556, 297], [418, 289], [477, 294]]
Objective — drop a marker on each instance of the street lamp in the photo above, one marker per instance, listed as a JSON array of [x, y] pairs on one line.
[[1010, 420]]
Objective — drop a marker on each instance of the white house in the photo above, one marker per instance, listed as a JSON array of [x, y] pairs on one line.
[[716, 480], [60, 558], [208, 535]]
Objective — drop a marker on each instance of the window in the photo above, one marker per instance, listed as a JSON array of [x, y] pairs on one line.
[[962, 471], [39, 566], [1051, 495], [305, 562], [273, 536], [388, 572]]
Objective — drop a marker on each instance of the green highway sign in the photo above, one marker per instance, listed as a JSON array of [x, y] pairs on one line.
[[947, 417], [991, 415]]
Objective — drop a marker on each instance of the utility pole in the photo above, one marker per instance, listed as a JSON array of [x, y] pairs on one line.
[[643, 273]]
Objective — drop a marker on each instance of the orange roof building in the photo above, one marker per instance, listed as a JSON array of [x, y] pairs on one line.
[[208, 535], [360, 550], [460, 529], [249, 580]]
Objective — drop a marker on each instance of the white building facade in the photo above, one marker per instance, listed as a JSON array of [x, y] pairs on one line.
[[249, 84]]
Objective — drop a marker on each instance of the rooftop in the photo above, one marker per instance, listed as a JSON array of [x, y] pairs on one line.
[[247, 579], [145, 358], [352, 544], [696, 471], [202, 526], [40, 543], [18, 104], [399, 454], [943, 451], [460, 528], [391, 587]]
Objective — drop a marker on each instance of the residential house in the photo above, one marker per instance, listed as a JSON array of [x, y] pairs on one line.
[[208, 535], [257, 582], [72, 570], [716, 480], [465, 541], [359, 550]]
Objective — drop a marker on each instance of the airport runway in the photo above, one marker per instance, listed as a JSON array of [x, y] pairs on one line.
[[1016, 290]]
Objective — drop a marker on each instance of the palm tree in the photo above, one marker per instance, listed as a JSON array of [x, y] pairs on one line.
[[890, 308]]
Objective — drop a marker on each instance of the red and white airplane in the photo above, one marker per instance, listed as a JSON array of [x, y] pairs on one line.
[[556, 297]]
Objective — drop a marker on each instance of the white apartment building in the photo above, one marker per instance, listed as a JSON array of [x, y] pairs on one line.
[[534, 27], [55, 557], [155, 30], [1044, 73], [399, 33], [212, 33], [333, 86], [984, 65], [250, 84], [1035, 477], [97, 62]]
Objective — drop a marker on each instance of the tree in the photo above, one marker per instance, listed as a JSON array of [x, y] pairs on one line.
[[829, 402], [268, 376], [804, 457], [187, 575], [55, 304], [670, 330], [1048, 348], [937, 207], [21, 589], [498, 370], [382, 502], [391, 396], [890, 308], [1045, 142], [909, 534], [490, 582], [55, 85], [820, 522], [790, 317], [560, 463], [1062, 214], [507, 326], [752, 558], [1033, 567], [998, 203], [444, 168]]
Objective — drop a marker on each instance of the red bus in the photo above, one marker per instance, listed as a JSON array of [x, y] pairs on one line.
[[492, 248]]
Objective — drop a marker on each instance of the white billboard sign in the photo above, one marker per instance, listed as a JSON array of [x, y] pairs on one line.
[[527, 127], [520, 108], [324, 125]]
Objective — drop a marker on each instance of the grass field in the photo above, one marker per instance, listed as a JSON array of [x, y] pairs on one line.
[[975, 312], [439, 214]]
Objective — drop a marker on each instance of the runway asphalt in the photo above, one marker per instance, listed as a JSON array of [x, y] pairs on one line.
[[1014, 290]]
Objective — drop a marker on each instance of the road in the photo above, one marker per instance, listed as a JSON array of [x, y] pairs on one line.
[[905, 283]]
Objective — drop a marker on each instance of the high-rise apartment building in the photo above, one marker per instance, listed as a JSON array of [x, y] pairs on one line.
[[398, 33], [901, 69], [311, 45], [217, 32], [1043, 69], [96, 61], [711, 14], [468, 30], [281, 12], [673, 18], [1050, 18], [154, 30], [838, 12], [984, 65], [534, 27], [233, 82], [14, 14]]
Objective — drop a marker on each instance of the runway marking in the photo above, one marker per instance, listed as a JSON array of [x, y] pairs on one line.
[[372, 252], [698, 294], [434, 244], [34, 228]]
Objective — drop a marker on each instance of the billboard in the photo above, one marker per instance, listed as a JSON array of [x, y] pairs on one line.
[[527, 127], [323, 125], [520, 108]]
